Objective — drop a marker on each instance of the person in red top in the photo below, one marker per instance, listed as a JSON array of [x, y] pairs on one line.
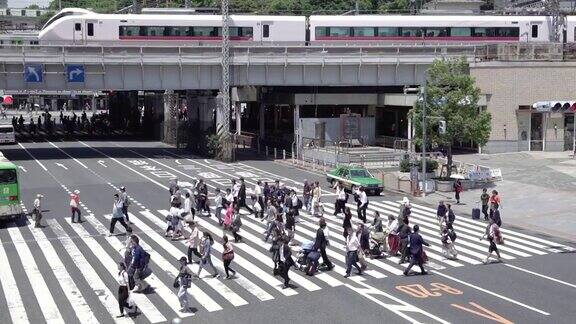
[[457, 190], [494, 202], [74, 205]]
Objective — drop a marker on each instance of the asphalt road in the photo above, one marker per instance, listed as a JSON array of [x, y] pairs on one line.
[[66, 273]]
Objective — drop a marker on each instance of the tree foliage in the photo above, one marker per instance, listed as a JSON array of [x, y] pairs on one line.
[[296, 7], [451, 95]]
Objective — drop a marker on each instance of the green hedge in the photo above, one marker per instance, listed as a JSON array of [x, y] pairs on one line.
[[431, 165]]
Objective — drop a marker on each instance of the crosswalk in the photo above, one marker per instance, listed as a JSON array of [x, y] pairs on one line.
[[96, 256]]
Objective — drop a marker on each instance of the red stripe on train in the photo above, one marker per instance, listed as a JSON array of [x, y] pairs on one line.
[[190, 38], [416, 38]]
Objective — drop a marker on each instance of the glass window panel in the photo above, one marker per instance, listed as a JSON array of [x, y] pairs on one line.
[[388, 31], [203, 31], [321, 31], [461, 31], [436, 32], [364, 31], [339, 31], [155, 31], [411, 32], [247, 31]]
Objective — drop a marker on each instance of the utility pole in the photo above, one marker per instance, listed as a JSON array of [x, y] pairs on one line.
[[553, 9], [187, 3], [424, 104], [223, 115]]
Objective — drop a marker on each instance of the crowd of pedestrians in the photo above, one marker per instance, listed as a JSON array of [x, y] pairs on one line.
[[279, 207]]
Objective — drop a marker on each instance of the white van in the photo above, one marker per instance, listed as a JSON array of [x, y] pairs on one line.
[[7, 134]]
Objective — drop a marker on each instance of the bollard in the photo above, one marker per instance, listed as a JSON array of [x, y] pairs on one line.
[[258, 145], [324, 165], [284, 154], [314, 164], [293, 160], [266, 150], [274, 153]]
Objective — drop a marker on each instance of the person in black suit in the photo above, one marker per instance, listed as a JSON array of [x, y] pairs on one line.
[[286, 262], [242, 197], [416, 251], [320, 244]]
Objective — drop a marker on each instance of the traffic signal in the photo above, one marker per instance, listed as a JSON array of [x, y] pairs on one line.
[[442, 127]]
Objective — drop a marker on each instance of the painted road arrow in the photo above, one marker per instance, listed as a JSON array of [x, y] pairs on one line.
[[101, 162], [62, 165], [22, 168]]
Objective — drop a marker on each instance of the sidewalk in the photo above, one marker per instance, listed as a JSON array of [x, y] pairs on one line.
[[537, 191]]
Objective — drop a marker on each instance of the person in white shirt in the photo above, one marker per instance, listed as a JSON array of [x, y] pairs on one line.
[[340, 199], [229, 197], [219, 206], [188, 210], [37, 211], [363, 204], [193, 242], [235, 190], [316, 194], [352, 246], [123, 291], [259, 197]]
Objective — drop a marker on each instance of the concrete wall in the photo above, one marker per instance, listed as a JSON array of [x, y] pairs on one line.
[[367, 128], [509, 85]]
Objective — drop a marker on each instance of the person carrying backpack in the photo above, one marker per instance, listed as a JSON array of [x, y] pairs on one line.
[[139, 265], [493, 236], [183, 281], [448, 242], [206, 259]]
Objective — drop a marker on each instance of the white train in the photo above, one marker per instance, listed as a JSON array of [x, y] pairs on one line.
[[80, 26]]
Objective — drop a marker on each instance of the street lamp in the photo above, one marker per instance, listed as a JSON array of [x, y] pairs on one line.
[[424, 104]]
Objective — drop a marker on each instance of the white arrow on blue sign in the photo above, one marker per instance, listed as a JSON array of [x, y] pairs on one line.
[[75, 73], [33, 72]]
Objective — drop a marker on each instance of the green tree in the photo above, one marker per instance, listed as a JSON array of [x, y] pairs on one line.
[[451, 95]]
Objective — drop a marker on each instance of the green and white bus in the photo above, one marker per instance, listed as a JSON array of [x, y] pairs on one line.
[[9, 190]]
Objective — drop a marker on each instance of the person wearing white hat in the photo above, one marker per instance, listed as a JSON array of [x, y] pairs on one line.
[[404, 210], [74, 203], [37, 211]]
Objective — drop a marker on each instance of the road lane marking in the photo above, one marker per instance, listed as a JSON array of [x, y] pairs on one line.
[[491, 293], [43, 296], [107, 298], [263, 275], [39, 163], [165, 293], [70, 156], [483, 313], [61, 165], [260, 293], [102, 163], [196, 293], [22, 168], [10, 289], [542, 276], [71, 291], [142, 301]]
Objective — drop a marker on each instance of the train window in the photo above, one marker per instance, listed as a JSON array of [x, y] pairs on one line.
[[534, 31], [436, 32], [246, 31], [388, 31], [155, 31], [265, 31], [411, 32], [508, 32], [177, 31], [90, 30], [461, 31], [129, 31], [77, 26], [322, 31], [234, 32], [364, 31], [484, 32], [202, 31], [340, 31]]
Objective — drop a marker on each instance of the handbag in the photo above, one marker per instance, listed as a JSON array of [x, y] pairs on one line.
[[228, 255], [176, 283]]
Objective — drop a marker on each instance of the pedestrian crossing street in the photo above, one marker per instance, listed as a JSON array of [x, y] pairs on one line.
[[83, 260]]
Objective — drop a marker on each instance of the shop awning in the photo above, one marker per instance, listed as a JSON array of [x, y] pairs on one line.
[[555, 106]]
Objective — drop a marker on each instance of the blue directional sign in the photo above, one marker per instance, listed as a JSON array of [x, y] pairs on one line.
[[75, 73], [33, 72]]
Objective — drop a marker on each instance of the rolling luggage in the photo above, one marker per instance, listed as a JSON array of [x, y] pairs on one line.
[[476, 213]]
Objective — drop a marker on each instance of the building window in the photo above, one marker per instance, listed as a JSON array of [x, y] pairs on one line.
[[265, 31], [23, 13], [534, 31], [77, 27]]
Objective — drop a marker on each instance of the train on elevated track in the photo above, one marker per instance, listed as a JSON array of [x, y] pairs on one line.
[[84, 27]]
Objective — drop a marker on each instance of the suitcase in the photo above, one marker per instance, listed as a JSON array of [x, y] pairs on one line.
[[476, 213]]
